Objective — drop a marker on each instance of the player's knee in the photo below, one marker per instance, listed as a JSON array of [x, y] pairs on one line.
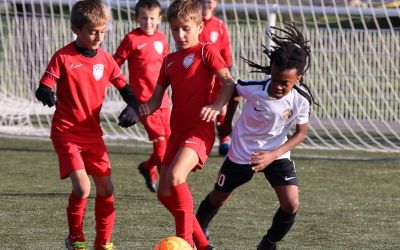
[[81, 191], [108, 189], [291, 207]]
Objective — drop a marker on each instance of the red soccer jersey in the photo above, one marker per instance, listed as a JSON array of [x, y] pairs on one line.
[[145, 54], [191, 74], [81, 88], [215, 32]]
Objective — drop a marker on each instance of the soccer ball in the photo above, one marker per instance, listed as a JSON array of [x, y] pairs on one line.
[[173, 243]]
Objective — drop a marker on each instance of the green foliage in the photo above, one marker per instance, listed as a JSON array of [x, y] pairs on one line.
[[345, 204]]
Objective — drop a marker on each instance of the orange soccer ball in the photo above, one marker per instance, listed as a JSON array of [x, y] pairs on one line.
[[173, 243]]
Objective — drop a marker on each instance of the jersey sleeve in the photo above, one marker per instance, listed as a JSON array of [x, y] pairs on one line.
[[243, 89], [117, 78], [304, 112], [226, 52], [123, 50], [163, 76], [54, 71], [213, 58]]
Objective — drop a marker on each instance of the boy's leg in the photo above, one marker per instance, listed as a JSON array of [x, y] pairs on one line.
[[77, 205], [224, 141], [230, 176], [104, 210], [209, 207], [149, 168], [284, 217], [158, 131]]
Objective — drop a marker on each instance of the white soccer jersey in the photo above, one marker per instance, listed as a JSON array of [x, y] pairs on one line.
[[265, 121]]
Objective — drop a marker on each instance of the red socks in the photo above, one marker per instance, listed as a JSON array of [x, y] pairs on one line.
[[180, 204], [105, 217], [75, 214], [156, 158]]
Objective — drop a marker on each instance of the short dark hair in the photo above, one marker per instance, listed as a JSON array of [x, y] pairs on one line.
[[146, 4], [89, 11]]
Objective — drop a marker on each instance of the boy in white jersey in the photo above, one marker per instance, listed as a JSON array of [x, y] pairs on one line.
[[259, 139]]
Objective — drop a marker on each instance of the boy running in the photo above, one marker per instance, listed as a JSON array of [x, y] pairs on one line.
[[145, 48], [191, 73], [82, 72], [260, 141]]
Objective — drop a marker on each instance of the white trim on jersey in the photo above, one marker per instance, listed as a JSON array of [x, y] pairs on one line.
[[265, 121], [48, 72]]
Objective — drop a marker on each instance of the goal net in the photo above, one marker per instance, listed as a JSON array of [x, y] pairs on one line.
[[354, 74]]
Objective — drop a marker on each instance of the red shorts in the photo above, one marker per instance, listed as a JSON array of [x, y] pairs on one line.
[[157, 124], [200, 139], [91, 156]]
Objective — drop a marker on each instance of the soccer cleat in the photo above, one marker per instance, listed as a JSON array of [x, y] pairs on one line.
[[206, 233], [223, 149], [77, 245], [151, 185], [108, 246], [266, 244], [210, 247]]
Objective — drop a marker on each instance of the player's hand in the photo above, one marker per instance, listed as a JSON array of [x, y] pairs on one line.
[[127, 117], [45, 95], [260, 160], [209, 113]]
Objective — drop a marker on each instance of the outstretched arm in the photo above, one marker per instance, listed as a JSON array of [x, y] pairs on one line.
[[262, 159], [154, 102], [210, 112], [225, 128]]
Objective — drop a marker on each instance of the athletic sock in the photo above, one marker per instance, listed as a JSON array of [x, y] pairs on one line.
[[157, 156], [281, 225], [105, 217], [183, 212], [75, 214], [199, 238], [206, 212], [167, 202]]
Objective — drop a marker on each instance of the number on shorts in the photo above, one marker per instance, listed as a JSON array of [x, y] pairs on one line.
[[221, 180]]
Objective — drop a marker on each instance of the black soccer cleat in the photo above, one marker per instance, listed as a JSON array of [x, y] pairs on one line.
[[152, 186], [266, 244], [210, 247]]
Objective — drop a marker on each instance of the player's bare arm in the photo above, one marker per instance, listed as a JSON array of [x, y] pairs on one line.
[[154, 102], [262, 159], [210, 112], [225, 128]]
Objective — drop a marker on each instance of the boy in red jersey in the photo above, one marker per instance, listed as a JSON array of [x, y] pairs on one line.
[[191, 73], [82, 72], [145, 48], [216, 33]]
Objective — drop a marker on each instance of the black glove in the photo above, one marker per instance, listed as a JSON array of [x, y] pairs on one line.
[[45, 95], [127, 118]]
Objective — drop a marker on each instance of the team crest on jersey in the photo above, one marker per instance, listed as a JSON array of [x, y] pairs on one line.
[[188, 61], [98, 70], [158, 46], [287, 113], [214, 36]]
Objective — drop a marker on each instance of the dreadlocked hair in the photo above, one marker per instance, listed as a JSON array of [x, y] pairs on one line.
[[290, 50]]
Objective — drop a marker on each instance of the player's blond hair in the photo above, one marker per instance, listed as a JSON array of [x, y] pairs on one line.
[[185, 10], [89, 11]]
